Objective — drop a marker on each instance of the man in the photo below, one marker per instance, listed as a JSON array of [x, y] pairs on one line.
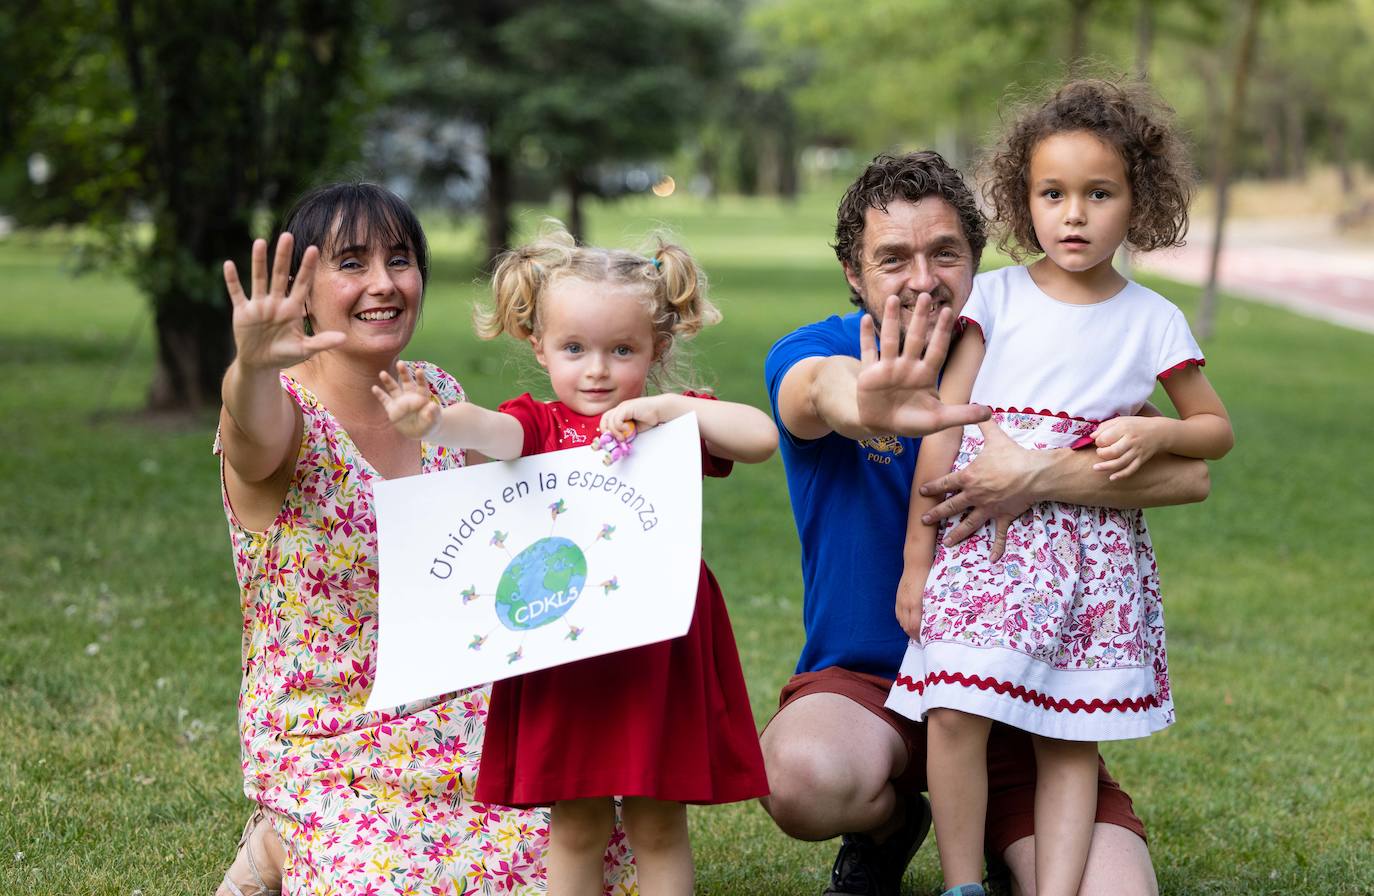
[[909, 237]]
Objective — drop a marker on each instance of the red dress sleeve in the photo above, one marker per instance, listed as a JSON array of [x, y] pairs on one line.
[[535, 418], [710, 464]]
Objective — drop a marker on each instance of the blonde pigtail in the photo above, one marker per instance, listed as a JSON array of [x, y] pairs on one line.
[[681, 291], [519, 278], [680, 310]]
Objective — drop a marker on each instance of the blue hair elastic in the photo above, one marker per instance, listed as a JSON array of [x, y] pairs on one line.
[[657, 263]]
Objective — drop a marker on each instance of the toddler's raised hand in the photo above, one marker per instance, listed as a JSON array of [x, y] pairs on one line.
[[407, 400], [1124, 444]]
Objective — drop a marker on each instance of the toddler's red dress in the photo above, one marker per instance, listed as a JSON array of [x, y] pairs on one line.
[[668, 721]]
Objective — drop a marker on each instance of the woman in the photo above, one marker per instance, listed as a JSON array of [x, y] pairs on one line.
[[362, 802]]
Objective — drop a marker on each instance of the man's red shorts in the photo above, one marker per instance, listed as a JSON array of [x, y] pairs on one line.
[[1011, 760]]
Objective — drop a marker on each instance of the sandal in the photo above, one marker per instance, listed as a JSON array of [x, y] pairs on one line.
[[253, 879]]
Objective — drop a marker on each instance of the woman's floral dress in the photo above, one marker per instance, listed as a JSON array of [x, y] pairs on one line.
[[366, 803]]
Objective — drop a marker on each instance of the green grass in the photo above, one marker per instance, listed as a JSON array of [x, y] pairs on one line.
[[119, 662]]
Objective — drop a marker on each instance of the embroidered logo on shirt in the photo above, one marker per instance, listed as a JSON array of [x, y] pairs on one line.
[[880, 446]]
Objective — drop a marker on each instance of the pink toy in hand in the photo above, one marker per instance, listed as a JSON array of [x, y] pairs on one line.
[[615, 447]]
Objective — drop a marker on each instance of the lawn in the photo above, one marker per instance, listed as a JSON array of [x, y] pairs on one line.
[[119, 667]]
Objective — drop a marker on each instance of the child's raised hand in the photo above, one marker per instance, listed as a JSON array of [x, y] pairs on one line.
[[407, 400], [1124, 444], [910, 597], [269, 327], [644, 412]]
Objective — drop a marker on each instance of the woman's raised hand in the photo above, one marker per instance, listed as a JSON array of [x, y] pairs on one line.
[[407, 400], [269, 326]]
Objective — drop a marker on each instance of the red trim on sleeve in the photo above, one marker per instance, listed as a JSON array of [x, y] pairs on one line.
[[1191, 362], [964, 323]]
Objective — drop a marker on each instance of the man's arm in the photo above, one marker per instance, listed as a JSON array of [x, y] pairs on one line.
[[1004, 480], [817, 397]]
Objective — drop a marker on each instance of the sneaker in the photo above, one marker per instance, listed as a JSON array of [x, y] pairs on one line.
[[965, 890], [864, 867]]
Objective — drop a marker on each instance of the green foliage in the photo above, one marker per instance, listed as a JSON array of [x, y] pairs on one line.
[[878, 73], [599, 81], [557, 88], [192, 116], [120, 662]]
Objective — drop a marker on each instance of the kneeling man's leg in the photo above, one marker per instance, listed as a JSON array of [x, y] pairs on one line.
[[831, 760], [838, 762], [1118, 856]]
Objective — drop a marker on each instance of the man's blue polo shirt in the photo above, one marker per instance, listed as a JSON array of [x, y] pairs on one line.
[[850, 501]]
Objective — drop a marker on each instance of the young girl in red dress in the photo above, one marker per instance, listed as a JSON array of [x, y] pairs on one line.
[[661, 725]]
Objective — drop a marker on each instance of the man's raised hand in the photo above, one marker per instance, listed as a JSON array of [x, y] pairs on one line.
[[269, 326], [897, 383]]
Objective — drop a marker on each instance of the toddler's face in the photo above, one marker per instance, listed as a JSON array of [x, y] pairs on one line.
[[597, 343], [1080, 200]]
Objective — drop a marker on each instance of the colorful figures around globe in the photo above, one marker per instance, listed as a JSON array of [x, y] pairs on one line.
[[614, 446]]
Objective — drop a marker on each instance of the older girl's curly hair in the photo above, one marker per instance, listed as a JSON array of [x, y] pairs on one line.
[[672, 285], [1126, 115]]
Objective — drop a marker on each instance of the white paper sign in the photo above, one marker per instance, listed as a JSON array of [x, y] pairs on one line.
[[499, 569]]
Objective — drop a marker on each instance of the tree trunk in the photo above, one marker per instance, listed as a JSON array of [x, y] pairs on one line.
[[1144, 37], [1339, 140], [576, 225], [206, 174], [194, 347], [747, 162], [1078, 32], [496, 222], [708, 168], [1297, 138], [788, 179], [1245, 50], [1274, 144]]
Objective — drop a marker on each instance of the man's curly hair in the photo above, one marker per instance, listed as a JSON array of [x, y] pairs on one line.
[[1126, 115], [911, 177]]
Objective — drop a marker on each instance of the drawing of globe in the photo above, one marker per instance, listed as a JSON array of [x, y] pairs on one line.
[[541, 584]]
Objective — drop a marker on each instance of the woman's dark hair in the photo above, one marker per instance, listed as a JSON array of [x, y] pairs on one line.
[[911, 177], [1127, 116], [359, 213]]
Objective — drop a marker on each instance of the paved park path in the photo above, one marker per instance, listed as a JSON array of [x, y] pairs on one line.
[[1298, 263]]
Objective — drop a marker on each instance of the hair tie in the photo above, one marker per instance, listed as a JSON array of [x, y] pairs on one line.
[[657, 263]]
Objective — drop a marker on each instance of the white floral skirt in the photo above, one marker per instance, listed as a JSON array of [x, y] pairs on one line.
[[1062, 637]]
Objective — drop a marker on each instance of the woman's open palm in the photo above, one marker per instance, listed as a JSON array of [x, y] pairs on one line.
[[269, 326]]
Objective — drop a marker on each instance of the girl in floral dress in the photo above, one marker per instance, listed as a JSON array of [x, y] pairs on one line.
[[661, 725], [354, 802], [1055, 625]]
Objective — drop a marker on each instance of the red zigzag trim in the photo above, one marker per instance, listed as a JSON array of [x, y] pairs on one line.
[[1058, 704], [1191, 362]]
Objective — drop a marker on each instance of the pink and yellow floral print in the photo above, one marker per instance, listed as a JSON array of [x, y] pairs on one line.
[[368, 804]]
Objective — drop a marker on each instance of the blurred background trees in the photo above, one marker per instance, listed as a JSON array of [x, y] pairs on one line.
[[167, 135]]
